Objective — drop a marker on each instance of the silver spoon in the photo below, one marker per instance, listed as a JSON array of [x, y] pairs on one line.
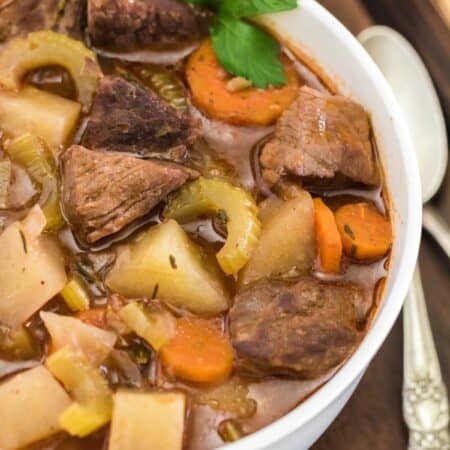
[[425, 401]]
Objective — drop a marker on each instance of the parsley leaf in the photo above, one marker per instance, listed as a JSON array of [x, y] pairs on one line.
[[250, 8], [247, 51]]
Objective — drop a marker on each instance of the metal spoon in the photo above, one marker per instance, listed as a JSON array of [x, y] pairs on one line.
[[425, 401]]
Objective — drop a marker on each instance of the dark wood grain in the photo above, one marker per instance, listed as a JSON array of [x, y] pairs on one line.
[[428, 31], [373, 417]]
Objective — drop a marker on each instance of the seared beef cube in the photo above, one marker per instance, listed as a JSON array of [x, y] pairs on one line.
[[124, 25], [318, 136], [104, 192], [304, 329], [21, 17], [129, 118]]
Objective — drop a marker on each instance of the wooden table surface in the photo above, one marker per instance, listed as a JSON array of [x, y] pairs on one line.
[[373, 417]]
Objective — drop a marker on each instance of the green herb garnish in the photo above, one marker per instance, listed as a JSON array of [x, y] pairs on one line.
[[24, 241], [242, 48], [349, 232]]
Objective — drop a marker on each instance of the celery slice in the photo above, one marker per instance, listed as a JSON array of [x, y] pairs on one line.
[[44, 48], [30, 152], [93, 399], [237, 209], [164, 83], [81, 420], [5, 178], [17, 342], [75, 295], [78, 375], [155, 327]]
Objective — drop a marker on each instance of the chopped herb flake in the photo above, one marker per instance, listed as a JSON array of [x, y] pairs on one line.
[[349, 231], [173, 262], [24, 241], [222, 216], [155, 291]]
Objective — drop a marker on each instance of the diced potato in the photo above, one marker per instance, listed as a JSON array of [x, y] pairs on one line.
[[31, 110], [163, 262], [156, 327], [34, 271], [30, 404], [143, 421], [66, 331], [287, 241]]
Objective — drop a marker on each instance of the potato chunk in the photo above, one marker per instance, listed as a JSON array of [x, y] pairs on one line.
[[31, 110], [30, 404], [93, 342], [147, 421], [287, 240], [34, 271], [163, 262]]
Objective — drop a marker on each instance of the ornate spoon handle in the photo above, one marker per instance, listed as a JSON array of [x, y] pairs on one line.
[[435, 225], [425, 401]]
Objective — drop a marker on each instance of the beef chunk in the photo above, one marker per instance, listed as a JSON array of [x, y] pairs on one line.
[[321, 135], [103, 192], [305, 328], [129, 118], [20, 17], [124, 25]]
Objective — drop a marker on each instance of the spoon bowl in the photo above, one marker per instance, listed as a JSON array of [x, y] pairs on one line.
[[411, 83]]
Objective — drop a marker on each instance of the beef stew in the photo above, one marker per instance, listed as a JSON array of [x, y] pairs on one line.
[[189, 251]]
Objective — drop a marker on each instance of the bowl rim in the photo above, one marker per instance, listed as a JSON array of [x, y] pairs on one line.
[[313, 406]]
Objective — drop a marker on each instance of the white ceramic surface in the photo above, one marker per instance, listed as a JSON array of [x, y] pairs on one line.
[[331, 45], [408, 77]]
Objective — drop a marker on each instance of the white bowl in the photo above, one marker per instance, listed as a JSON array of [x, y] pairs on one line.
[[322, 37]]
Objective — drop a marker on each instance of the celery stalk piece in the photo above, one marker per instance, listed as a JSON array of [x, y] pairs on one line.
[[30, 152], [5, 178], [155, 327], [239, 213], [164, 83], [38, 112], [78, 375], [45, 48], [93, 399], [75, 296], [18, 342], [82, 420]]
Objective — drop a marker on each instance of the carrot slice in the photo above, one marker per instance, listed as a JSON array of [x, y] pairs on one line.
[[365, 233], [95, 317], [328, 238], [198, 352], [251, 106]]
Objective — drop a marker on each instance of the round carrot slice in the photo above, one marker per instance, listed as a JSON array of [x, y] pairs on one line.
[[365, 233], [251, 106], [198, 352]]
